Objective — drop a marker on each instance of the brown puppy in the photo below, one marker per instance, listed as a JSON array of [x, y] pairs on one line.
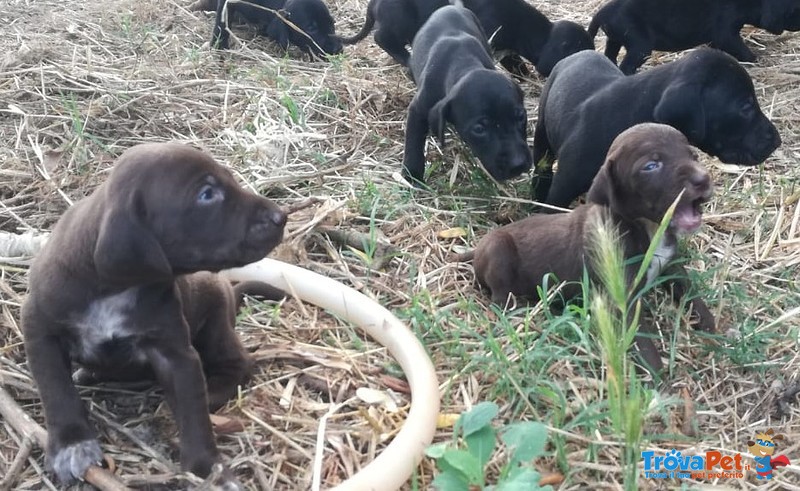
[[112, 291], [645, 170]]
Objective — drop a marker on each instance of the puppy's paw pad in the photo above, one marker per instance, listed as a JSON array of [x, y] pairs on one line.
[[71, 462]]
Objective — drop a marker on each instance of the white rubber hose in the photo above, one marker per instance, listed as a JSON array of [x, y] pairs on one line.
[[393, 467]]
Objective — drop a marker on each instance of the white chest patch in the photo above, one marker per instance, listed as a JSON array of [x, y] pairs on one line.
[[105, 319], [664, 254]]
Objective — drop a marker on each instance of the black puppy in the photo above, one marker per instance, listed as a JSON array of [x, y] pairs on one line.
[[516, 27], [779, 15], [397, 23], [306, 24], [642, 26], [457, 83], [588, 101]]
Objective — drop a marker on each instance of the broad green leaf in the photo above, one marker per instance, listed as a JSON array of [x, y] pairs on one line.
[[465, 463], [481, 444], [527, 439], [436, 451], [523, 480], [479, 416], [450, 481]]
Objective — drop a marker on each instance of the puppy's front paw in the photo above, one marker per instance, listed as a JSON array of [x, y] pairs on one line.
[[221, 478], [702, 318], [70, 462], [84, 376], [416, 180]]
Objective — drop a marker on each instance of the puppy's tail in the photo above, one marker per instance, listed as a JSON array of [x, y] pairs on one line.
[[257, 289], [369, 23]]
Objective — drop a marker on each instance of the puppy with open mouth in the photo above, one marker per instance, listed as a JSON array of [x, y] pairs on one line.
[[646, 169]]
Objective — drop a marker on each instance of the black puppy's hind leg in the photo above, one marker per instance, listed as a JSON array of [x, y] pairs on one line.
[[220, 37], [734, 45], [392, 44], [612, 49], [633, 59]]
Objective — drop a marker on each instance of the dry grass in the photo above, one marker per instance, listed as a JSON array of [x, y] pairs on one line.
[[82, 81]]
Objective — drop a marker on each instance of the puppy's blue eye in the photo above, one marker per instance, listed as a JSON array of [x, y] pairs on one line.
[[479, 130], [208, 194], [651, 166]]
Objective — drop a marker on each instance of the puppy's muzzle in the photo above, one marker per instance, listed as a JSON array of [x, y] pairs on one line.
[[273, 215], [514, 165], [266, 229], [334, 46], [700, 182], [519, 165], [688, 215]]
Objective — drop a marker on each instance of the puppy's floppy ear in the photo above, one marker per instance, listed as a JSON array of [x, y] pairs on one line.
[[602, 190], [437, 118], [127, 252], [278, 31], [681, 107]]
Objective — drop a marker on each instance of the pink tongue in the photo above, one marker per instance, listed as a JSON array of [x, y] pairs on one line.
[[686, 219]]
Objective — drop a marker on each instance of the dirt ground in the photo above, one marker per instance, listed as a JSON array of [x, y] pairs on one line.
[[82, 81]]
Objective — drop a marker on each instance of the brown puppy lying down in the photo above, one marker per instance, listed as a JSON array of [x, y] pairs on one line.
[[645, 170], [122, 288]]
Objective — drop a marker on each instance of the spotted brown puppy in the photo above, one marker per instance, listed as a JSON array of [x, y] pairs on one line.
[[123, 288], [646, 169]]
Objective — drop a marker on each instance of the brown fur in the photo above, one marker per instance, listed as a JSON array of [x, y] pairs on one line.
[[515, 258], [123, 288]]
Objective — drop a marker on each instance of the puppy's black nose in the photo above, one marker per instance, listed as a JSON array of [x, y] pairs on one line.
[[335, 47], [700, 180], [519, 165], [275, 216]]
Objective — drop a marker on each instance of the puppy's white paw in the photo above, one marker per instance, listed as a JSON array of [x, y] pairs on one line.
[[84, 376], [231, 485], [71, 462], [222, 479]]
